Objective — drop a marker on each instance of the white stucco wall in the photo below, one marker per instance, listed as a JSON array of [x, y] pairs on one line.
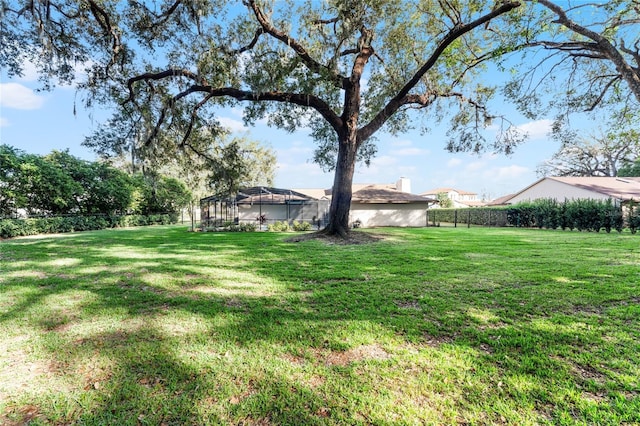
[[371, 215], [549, 188]]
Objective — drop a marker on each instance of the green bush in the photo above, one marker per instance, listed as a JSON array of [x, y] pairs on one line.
[[583, 215], [633, 217], [10, 228], [278, 227], [301, 226]]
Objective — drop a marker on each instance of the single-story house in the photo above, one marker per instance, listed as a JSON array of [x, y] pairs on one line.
[[371, 205], [618, 189], [379, 205], [383, 204]]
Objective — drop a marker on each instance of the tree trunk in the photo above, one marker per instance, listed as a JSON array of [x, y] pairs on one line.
[[342, 188]]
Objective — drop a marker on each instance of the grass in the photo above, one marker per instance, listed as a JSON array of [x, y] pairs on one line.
[[160, 326]]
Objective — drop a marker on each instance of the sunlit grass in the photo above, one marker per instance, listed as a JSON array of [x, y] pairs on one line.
[[428, 326]]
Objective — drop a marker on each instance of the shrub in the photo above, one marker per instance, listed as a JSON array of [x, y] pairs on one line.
[[633, 217], [583, 215], [278, 227], [301, 226], [10, 228]]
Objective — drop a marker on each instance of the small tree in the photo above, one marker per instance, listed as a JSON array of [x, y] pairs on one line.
[[444, 201]]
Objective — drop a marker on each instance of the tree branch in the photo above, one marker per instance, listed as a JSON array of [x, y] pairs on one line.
[[201, 86], [401, 97], [604, 46], [299, 49], [249, 46], [603, 92]]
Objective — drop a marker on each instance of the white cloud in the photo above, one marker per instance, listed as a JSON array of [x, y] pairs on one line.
[[454, 162], [232, 124], [301, 175], [401, 142], [475, 166], [4, 122], [536, 129], [297, 148], [508, 172], [17, 96], [413, 152]]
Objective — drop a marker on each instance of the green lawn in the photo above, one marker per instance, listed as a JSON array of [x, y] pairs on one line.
[[429, 326]]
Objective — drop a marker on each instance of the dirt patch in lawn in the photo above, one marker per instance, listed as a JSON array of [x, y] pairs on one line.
[[360, 353], [352, 238]]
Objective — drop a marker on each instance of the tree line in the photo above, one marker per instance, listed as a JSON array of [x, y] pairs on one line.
[[59, 184]]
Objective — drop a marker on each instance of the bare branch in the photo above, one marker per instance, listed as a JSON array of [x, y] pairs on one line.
[[603, 46]]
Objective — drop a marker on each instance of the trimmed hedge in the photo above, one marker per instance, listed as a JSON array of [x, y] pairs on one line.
[[10, 228], [582, 215]]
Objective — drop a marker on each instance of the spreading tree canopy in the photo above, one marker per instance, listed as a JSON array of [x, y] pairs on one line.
[[344, 69], [578, 57]]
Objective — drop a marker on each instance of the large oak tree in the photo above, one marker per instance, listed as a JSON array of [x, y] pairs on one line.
[[344, 69]]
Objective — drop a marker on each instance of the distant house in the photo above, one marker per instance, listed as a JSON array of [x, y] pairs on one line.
[[387, 205], [383, 204], [619, 189], [460, 198], [371, 205]]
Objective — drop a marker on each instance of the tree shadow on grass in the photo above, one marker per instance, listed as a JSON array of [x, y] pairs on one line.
[[321, 304]]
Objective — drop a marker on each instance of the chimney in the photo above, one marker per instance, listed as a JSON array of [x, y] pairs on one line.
[[404, 185]]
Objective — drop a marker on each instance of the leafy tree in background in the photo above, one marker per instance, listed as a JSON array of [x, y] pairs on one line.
[[110, 191], [9, 162], [44, 188], [238, 163], [630, 170], [345, 69], [444, 201], [603, 155], [59, 183], [160, 194]]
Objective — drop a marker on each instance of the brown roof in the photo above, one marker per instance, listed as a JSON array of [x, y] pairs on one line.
[[379, 194], [315, 193], [501, 201]]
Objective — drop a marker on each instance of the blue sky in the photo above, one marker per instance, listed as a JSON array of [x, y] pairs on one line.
[[38, 122]]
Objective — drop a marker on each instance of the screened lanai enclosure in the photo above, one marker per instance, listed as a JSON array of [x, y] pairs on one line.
[[263, 205]]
